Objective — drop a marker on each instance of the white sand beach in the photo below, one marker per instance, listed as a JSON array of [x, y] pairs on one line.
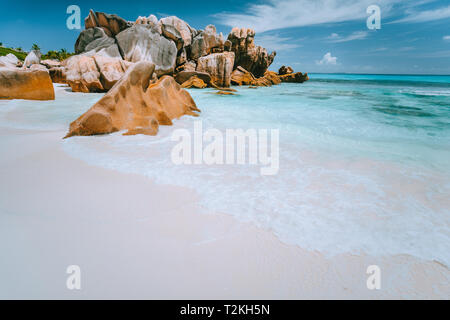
[[134, 239]]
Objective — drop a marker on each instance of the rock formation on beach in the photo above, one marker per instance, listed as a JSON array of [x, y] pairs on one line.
[[219, 66], [297, 77], [183, 76], [285, 70], [176, 49], [136, 105], [206, 42], [25, 84], [34, 57], [143, 43], [194, 82], [50, 63], [109, 45], [93, 39], [58, 75], [110, 23], [38, 66], [9, 61], [177, 30], [252, 58], [241, 77], [144, 67], [21, 82], [171, 44], [93, 73]]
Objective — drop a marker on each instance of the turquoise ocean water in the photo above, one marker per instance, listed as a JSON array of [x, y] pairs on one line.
[[364, 160]]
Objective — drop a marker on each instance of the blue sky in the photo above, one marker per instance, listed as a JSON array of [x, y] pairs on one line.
[[309, 35]]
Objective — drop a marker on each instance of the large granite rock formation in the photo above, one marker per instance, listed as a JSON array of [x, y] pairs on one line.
[[58, 75], [178, 30], [38, 66], [34, 57], [135, 105], [271, 77], [297, 77], [142, 43], [253, 58], [110, 23], [219, 66], [174, 47], [194, 82], [48, 63], [152, 21], [82, 74], [241, 77], [206, 42], [25, 84], [93, 39], [184, 76], [9, 61], [93, 73], [285, 70]]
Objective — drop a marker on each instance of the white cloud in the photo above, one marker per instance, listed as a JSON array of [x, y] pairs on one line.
[[276, 42], [327, 60], [358, 35], [446, 38], [280, 14], [424, 16], [334, 36]]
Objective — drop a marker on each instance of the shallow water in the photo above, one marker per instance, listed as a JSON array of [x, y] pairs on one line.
[[364, 160]]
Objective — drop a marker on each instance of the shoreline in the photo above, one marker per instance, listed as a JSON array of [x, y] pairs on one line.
[[136, 239]]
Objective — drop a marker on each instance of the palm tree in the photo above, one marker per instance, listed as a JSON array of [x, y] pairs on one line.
[[63, 54], [35, 47]]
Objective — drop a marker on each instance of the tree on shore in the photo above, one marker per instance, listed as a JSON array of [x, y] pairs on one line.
[[35, 47], [57, 55]]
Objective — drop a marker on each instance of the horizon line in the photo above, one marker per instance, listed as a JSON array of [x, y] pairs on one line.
[[383, 74]]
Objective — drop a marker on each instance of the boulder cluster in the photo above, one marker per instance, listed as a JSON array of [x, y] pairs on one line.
[[29, 80], [240, 77], [144, 66], [109, 45]]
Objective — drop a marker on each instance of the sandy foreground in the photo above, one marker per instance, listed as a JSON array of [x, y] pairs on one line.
[[134, 239]]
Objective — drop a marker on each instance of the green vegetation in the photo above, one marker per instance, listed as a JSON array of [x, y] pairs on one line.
[[52, 54], [57, 55], [18, 54], [35, 47]]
